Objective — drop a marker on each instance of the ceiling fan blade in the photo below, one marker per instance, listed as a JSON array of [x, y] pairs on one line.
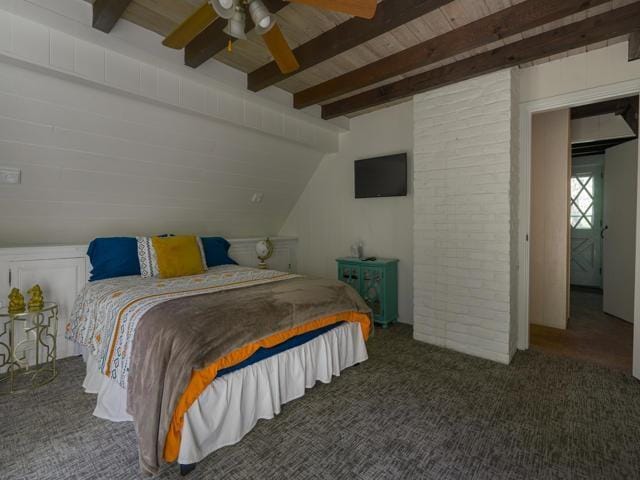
[[279, 48], [191, 27], [357, 8]]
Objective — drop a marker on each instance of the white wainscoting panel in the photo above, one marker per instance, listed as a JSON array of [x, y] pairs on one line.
[[60, 271]]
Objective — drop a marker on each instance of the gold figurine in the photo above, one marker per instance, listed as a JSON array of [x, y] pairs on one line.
[[36, 302], [16, 301]]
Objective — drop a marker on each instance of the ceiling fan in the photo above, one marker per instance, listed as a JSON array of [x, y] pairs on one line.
[[235, 12]]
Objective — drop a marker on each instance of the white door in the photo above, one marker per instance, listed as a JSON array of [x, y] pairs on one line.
[[619, 244], [549, 234], [586, 221]]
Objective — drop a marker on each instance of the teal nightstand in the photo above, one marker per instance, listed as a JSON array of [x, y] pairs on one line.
[[377, 282]]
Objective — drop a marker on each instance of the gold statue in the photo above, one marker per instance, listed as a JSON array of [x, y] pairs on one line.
[[36, 302], [16, 301]]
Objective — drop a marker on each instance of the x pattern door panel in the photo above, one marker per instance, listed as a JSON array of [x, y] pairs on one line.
[[585, 220]]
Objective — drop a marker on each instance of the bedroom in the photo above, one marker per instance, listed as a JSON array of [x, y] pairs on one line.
[[113, 134]]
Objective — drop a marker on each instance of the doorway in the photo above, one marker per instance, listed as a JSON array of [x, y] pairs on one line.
[[583, 259]]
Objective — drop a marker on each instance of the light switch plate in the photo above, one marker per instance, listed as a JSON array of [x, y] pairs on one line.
[[9, 175]]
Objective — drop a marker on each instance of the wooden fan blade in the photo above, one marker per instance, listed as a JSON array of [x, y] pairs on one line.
[[191, 27], [279, 48], [357, 8]]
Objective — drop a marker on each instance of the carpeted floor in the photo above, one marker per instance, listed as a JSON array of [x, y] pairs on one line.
[[411, 411]]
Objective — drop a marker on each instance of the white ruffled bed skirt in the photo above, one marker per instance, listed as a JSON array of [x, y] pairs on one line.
[[231, 406]]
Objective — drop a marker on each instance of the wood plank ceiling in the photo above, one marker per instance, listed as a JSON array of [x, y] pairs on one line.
[[301, 24]]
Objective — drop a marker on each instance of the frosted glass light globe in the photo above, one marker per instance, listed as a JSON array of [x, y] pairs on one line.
[[265, 22], [226, 3]]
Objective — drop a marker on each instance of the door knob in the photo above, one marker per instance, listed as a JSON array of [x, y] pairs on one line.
[[606, 227]]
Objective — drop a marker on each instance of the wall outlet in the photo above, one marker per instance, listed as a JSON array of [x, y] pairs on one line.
[[9, 175]]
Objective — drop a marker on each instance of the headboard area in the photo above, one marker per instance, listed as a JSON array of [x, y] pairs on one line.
[[62, 271]]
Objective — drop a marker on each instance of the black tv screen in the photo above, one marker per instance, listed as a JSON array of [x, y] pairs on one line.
[[381, 176]]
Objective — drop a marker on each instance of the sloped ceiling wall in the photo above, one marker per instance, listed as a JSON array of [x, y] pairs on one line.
[[97, 163], [97, 158]]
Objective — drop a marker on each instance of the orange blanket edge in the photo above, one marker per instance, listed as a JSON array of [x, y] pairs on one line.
[[200, 379]]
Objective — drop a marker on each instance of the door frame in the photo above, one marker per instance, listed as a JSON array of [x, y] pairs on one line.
[[527, 110]]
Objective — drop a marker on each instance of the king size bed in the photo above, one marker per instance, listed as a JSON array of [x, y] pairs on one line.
[[195, 361]]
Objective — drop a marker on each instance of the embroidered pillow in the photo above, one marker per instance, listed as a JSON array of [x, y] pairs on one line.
[[178, 256], [147, 258]]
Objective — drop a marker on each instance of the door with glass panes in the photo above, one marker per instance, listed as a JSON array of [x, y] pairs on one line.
[[586, 222]]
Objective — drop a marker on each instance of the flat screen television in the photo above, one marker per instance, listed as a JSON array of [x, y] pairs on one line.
[[381, 176]]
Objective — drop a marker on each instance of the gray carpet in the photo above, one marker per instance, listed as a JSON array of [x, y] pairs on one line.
[[411, 411]]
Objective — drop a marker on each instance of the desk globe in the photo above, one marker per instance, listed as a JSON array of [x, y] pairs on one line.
[[264, 250]]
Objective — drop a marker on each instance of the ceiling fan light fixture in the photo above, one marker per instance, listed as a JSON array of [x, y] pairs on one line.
[[236, 24], [261, 17], [259, 13], [224, 8]]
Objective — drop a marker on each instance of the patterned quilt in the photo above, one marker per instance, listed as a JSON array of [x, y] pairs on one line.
[[106, 312]]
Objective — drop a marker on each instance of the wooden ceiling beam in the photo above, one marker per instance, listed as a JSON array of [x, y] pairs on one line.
[[212, 39], [355, 31], [617, 22], [630, 116], [626, 107], [502, 24], [588, 154], [634, 46], [107, 12], [597, 147], [617, 106]]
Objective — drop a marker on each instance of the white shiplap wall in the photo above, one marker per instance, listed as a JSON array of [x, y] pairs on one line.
[[327, 218], [100, 157]]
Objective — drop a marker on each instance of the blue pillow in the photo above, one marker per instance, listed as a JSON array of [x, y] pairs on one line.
[[113, 257], [216, 251]]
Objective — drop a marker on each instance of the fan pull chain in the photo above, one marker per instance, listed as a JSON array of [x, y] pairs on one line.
[[230, 46]]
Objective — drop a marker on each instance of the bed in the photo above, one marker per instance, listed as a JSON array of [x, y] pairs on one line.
[[195, 361]]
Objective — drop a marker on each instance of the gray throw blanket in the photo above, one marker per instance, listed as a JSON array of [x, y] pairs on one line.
[[189, 333]]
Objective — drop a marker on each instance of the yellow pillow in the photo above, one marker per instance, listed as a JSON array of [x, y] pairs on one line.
[[178, 256]]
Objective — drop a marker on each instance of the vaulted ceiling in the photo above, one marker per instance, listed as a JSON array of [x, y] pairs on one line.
[[352, 65]]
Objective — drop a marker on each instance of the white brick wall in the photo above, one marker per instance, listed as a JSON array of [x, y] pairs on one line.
[[465, 225]]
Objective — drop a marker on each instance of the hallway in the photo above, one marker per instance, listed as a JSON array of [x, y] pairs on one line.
[[591, 334]]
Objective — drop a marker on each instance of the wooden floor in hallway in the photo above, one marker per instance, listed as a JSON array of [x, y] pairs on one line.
[[591, 334]]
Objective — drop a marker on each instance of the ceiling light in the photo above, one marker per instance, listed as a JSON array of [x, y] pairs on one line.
[[224, 8], [236, 24], [261, 17], [259, 13]]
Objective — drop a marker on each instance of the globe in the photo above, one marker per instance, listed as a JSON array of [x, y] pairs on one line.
[[264, 250]]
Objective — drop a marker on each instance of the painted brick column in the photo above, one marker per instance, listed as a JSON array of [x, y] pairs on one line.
[[465, 216]]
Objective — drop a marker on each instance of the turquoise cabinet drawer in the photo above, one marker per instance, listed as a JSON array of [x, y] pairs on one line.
[[376, 282]]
